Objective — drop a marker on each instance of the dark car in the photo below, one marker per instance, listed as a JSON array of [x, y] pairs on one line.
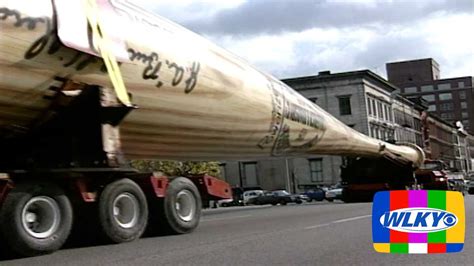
[[316, 194], [457, 185], [276, 197], [470, 186]]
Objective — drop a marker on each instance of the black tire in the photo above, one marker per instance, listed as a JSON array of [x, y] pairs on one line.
[[172, 220], [283, 202], [274, 203], [35, 199], [330, 200], [299, 202], [309, 200], [117, 228]]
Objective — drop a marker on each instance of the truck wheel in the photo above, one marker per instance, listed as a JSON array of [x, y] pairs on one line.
[[123, 211], [35, 219], [182, 206]]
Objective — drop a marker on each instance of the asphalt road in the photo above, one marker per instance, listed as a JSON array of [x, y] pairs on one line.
[[308, 234]]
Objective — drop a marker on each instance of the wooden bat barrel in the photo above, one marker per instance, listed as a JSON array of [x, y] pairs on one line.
[[196, 100]]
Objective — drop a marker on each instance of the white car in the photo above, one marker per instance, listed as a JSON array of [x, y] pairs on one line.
[[335, 193], [251, 194], [225, 202]]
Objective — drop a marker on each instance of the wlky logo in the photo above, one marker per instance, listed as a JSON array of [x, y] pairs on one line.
[[418, 221]]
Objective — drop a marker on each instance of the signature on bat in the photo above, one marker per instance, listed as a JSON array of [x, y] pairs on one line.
[[50, 43], [284, 111]]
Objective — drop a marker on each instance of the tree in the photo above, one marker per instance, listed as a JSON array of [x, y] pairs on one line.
[[176, 168]]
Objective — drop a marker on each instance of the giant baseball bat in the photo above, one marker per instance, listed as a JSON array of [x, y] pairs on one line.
[[196, 100]]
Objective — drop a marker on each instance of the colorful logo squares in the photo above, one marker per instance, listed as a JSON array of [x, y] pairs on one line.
[[418, 221]]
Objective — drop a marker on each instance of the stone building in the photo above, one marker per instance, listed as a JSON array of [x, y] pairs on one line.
[[362, 100], [370, 104]]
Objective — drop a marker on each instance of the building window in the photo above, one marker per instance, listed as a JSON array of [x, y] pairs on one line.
[[250, 173], [222, 171], [432, 108], [463, 105], [464, 115], [388, 113], [461, 84], [447, 115], [445, 96], [411, 90], [462, 95], [316, 170], [369, 106], [427, 88], [428, 97], [444, 86], [374, 108], [380, 110], [446, 107], [345, 105]]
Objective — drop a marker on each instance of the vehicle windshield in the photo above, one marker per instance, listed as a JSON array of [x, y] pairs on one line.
[[281, 193], [432, 166]]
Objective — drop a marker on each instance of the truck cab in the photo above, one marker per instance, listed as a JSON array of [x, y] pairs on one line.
[[433, 174]]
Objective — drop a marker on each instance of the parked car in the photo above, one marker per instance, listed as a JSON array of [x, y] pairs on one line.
[[237, 194], [316, 194], [470, 187], [226, 203], [303, 197], [276, 197], [335, 193], [457, 185], [251, 194]]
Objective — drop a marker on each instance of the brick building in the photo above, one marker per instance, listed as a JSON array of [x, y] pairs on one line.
[[452, 99]]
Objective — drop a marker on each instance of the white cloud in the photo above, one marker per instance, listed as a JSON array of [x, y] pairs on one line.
[[365, 43], [182, 10]]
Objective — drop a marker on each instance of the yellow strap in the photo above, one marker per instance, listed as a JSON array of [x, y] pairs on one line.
[[103, 45]]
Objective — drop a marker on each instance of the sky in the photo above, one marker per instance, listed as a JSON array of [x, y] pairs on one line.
[[293, 38]]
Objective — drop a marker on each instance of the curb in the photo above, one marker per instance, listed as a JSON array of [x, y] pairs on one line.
[[231, 209]]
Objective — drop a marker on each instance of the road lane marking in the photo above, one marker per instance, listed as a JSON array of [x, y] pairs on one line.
[[338, 221], [317, 226], [352, 219], [225, 218]]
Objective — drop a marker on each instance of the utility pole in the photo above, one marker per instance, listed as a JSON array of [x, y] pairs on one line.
[[288, 178]]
